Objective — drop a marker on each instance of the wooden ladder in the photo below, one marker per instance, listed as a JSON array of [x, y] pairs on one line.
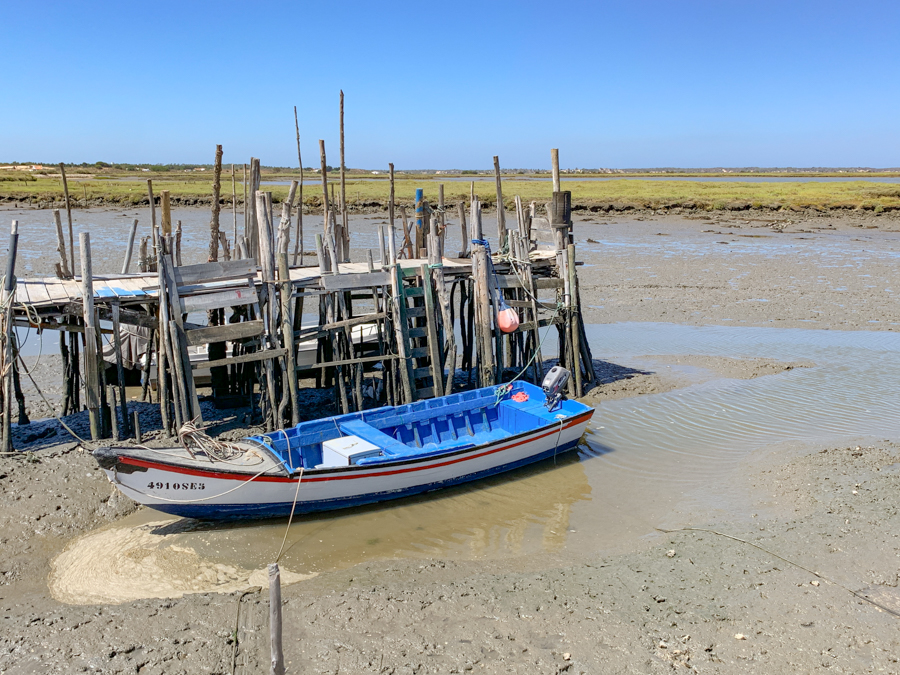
[[417, 332]]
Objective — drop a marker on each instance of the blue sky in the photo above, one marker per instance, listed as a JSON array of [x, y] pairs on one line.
[[449, 85]]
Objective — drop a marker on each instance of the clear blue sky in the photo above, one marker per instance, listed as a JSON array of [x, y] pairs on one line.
[[448, 85]]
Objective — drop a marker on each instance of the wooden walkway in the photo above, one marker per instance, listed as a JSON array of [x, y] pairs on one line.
[[50, 293]]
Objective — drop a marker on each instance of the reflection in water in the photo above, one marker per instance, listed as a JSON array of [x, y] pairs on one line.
[[145, 556], [639, 460]]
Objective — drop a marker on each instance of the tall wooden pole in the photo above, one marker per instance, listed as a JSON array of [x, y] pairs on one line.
[[298, 244], [554, 158], [392, 246], [62, 170], [9, 285], [325, 205], [345, 218], [91, 365], [130, 250], [501, 213], [233, 207], [214, 220]]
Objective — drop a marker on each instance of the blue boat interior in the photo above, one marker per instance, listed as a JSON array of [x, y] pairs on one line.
[[424, 428]]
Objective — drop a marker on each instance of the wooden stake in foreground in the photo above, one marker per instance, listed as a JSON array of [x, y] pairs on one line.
[[9, 285], [275, 619]]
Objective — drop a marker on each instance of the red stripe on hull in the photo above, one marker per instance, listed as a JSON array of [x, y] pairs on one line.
[[134, 461]]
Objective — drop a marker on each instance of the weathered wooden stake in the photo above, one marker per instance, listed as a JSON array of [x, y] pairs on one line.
[[554, 159], [130, 249], [275, 619], [91, 366], [298, 244], [136, 424], [345, 218], [120, 372], [501, 212], [62, 170], [9, 286], [214, 219], [166, 225], [64, 272]]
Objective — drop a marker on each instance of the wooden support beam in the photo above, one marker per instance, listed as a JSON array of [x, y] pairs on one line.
[[91, 362], [120, 374], [287, 336]]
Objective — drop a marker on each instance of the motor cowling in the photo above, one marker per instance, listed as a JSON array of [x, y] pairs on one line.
[[553, 385]]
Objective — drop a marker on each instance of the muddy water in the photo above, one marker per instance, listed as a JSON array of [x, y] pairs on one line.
[[640, 466]]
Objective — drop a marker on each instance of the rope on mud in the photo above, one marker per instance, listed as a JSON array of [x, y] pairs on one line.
[[789, 562], [293, 506]]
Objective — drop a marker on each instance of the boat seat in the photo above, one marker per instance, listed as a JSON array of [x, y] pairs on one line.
[[388, 445]]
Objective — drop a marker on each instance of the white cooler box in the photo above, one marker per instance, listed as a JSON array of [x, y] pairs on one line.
[[347, 450]]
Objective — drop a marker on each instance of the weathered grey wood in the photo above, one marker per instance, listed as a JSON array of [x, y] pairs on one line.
[[64, 271], [287, 336], [511, 281], [252, 232], [265, 355], [275, 619], [360, 359], [226, 333], [113, 415], [501, 212], [154, 232], [483, 315], [214, 218], [381, 247], [91, 362], [191, 406], [62, 171], [392, 244], [178, 243], [463, 230], [434, 346], [130, 248], [9, 285], [343, 282], [233, 207], [554, 159], [267, 268], [321, 331], [326, 207], [238, 240], [204, 273], [120, 373], [143, 255], [284, 226], [573, 324], [165, 225], [219, 300], [136, 426], [298, 244], [402, 333], [345, 220]]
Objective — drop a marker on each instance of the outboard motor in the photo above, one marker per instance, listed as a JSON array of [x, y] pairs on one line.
[[553, 385]]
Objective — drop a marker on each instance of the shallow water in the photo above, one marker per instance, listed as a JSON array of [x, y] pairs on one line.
[[640, 459]]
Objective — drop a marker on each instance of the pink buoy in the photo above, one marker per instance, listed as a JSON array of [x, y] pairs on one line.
[[507, 319]]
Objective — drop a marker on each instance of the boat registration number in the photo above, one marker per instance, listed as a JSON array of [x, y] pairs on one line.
[[176, 486]]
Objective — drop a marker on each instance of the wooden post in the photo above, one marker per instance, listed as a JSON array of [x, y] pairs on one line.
[[64, 272], [233, 205], [573, 324], [9, 286], [244, 209], [345, 218], [464, 253], [392, 245], [136, 424], [252, 232], [166, 225], [298, 244], [275, 619], [62, 170], [554, 159], [128, 252], [287, 334], [91, 366], [178, 243], [267, 269], [483, 314], [501, 213], [154, 233], [325, 205], [120, 373], [420, 223], [214, 219]]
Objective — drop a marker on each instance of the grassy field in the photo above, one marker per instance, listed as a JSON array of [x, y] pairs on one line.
[[617, 193]]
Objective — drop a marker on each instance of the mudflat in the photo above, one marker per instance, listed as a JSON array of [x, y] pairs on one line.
[[781, 559]]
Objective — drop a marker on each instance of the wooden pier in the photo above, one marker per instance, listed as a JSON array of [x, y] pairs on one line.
[[429, 316]]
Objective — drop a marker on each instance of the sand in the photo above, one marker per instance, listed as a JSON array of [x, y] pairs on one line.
[[822, 516]]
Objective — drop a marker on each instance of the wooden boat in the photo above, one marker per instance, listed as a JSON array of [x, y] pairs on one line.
[[352, 459]]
